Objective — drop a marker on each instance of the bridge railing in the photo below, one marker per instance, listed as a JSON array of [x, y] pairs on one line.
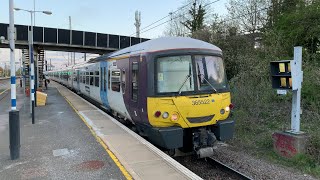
[[65, 37]]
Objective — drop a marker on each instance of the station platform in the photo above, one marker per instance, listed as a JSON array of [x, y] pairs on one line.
[[72, 139]]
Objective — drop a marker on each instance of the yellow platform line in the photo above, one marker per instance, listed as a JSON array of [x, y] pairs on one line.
[[102, 143], [4, 91]]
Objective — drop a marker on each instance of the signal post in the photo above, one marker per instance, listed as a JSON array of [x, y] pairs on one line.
[[288, 75]]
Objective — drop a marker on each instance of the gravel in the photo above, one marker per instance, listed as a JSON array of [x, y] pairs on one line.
[[254, 167]]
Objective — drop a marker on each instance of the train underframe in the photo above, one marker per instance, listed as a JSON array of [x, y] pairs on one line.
[[199, 140]]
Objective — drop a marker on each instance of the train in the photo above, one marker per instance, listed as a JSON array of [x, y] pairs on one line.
[[173, 90]]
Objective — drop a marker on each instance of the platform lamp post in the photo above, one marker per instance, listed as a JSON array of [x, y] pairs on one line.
[[14, 120], [32, 84]]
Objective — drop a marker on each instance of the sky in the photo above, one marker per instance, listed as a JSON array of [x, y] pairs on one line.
[[103, 16]]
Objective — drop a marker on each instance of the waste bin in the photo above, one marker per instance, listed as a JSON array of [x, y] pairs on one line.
[[27, 92], [41, 98]]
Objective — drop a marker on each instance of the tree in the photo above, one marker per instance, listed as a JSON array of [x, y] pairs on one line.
[[195, 21], [175, 27], [250, 15], [294, 23]]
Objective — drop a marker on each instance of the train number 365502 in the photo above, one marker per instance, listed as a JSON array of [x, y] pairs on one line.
[[199, 102]]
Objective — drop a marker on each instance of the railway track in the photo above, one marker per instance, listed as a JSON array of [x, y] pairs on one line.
[[210, 169], [228, 169]]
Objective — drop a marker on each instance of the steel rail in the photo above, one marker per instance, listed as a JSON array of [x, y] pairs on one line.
[[228, 169]]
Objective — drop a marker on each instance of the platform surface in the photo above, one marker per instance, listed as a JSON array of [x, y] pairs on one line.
[[58, 146], [73, 139], [140, 158]]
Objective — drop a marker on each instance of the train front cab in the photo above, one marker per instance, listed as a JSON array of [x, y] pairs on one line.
[[188, 100]]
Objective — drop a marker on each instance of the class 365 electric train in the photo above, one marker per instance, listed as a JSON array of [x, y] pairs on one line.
[[173, 90]]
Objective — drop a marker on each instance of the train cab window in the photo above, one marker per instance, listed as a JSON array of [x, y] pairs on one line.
[[174, 74], [115, 80], [123, 81], [135, 80]]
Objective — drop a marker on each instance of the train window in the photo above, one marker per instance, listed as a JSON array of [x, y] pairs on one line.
[[101, 87], [104, 79], [108, 79], [91, 80], [115, 80], [135, 80], [123, 81], [97, 73], [210, 72], [91, 73], [87, 80], [96, 81]]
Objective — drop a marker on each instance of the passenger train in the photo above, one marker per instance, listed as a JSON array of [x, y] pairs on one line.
[[173, 90]]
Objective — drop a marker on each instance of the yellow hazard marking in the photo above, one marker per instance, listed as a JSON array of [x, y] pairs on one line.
[[4, 91], [102, 143]]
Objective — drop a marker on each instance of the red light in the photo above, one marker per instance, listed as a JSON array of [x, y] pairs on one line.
[[157, 114], [231, 106]]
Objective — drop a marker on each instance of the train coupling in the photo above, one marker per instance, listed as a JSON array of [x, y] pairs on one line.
[[205, 152], [203, 142]]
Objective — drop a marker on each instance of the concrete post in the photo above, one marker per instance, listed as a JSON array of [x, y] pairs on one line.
[[14, 121], [296, 93]]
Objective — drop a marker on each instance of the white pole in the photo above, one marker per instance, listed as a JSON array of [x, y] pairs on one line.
[[14, 119], [34, 9], [296, 94], [12, 58], [32, 68]]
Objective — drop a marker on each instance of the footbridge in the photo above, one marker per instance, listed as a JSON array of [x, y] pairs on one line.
[[56, 39]]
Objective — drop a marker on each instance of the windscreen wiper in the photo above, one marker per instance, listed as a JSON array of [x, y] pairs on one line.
[[208, 83], [180, 89]]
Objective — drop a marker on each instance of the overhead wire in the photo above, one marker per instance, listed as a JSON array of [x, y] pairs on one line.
[[163, 17], [174, 17]]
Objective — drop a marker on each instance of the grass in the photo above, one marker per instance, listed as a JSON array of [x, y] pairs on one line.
[[259, 112]]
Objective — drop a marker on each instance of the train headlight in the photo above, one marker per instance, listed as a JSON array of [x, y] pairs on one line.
[[165, 115], [222, 111], [174, 116], [227, 108]]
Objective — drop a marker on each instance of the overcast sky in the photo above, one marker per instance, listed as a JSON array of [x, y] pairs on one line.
[[112, 17]]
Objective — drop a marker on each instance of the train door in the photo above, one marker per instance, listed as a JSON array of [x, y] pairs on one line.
[[103, 83], [134, 108]]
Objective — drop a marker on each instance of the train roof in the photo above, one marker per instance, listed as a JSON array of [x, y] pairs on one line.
[[165, 43], [159, 44]]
